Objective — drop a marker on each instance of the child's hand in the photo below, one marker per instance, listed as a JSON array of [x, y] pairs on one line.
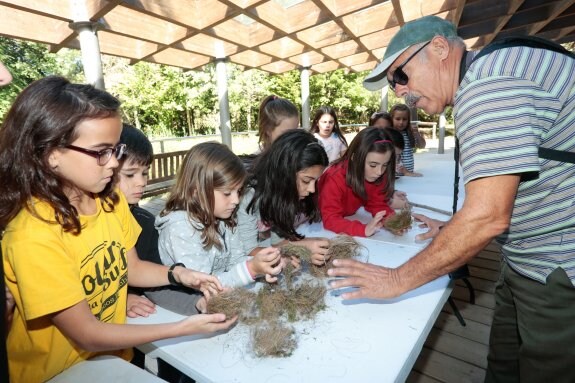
[[375, 224], [207, 284], [319, 248], [266, 261], [295, 262], [139, 306], [202, 305], [204, 324], [399, 200], [10, 305]]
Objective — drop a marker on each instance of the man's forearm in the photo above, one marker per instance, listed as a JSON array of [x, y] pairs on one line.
[[485, 214]]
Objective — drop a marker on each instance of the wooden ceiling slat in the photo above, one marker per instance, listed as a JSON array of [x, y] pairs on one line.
[[513, 5], [371, 19], [118, 45], [278, 67], [322, 35], [307, 59], [326, 34], [343, 7], [251, 59], [154, 29], [398, 11], [355, 59], [346, 48], [477, 12], [412, 10], [209, 46], [365, 66], [197, 14], [292, 19], [456, 13], [379, 39], [247, 3], [53, 8], [179, 58], [344, 27], [248, 36], [46, 29], [326, 66], [283, 47], [556, 13]]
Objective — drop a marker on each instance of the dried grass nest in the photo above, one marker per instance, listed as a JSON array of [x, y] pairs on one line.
[[399, 222]]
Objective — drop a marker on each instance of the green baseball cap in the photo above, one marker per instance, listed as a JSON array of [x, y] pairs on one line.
[[414, 32]]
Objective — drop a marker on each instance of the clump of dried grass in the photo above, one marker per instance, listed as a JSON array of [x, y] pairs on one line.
[[340, 247], [297, 251], [399, 222], [305, 301], [233, 302], [302, 302], [273, 339], [269, 303], [275, 304], [289, 272]]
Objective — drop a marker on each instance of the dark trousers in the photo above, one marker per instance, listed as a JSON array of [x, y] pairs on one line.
[[533, 332]]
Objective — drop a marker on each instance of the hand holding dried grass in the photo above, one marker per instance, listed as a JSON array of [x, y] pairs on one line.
[[233, 302], [342, 246], [399, 223]]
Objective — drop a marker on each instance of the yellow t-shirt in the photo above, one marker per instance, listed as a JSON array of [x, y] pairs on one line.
[[48, 270]]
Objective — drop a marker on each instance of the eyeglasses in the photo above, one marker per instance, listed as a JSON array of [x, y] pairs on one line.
[[399, 76], [103, 156]]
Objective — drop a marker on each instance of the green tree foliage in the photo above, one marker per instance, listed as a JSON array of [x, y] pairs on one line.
[[30, 61], [246, 91], [346, 94], [166, 101]]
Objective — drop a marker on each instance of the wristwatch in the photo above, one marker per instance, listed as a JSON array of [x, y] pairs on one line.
[[171, 278]]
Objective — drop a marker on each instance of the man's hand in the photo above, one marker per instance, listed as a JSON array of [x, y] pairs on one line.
[[434, 225], [371, 281]]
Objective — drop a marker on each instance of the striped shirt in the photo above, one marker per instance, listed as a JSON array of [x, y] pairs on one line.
[[511, 102], [407, 154]]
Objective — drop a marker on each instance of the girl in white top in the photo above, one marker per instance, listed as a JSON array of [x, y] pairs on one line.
[[325, 128], [198, 225]]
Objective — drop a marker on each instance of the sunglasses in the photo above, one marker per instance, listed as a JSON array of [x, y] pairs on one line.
[[399, 76], [103, 156]]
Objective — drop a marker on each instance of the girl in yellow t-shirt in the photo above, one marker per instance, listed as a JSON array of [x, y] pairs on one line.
[[69, 237]]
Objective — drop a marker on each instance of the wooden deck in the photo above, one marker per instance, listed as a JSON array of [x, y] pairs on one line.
[[452, 353]]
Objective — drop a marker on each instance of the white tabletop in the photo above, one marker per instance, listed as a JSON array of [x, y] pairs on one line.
[[360, 341], [350, 340], [105, 369]]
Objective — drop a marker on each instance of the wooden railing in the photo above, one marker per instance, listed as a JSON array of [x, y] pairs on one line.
[[163, 172]]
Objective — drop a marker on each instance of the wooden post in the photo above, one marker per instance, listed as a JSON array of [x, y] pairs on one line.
[[305, 105], [225, 119]]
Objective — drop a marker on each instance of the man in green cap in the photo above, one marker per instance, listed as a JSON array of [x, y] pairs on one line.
[[514, 110]]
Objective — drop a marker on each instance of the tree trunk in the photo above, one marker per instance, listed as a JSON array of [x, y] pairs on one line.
[[189, 122], [137, 120]]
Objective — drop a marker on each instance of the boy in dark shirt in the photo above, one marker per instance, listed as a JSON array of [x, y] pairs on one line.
[[132, 179]]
